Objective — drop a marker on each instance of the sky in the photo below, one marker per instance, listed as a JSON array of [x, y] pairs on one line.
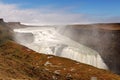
[[60, 11]]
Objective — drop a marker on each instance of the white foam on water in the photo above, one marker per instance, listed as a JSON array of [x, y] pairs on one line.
[[47, 40]]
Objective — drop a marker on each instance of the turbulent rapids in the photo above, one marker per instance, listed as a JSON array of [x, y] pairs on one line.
[[48, 40]]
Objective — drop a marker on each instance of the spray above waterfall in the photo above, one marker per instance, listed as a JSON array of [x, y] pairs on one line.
[[50, 40]]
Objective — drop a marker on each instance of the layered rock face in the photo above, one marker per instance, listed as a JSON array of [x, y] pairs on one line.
[[104, 38]]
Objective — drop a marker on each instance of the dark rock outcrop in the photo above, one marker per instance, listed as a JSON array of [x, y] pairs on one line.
[[5, 32], [1, 20]]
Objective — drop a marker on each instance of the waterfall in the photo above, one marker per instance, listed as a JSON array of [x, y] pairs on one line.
[[47, 40]]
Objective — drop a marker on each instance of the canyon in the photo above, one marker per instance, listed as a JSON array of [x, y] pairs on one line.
[[93, 44]]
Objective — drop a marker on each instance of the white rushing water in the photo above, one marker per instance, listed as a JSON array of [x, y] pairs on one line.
[[47, 40]]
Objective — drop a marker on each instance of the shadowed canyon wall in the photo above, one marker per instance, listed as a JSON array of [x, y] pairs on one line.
[[104, 38]]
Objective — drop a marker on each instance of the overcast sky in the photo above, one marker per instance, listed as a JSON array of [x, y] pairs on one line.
[[60, 11]]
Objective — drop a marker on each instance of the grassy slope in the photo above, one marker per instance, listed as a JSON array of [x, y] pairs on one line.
[[18, 62]]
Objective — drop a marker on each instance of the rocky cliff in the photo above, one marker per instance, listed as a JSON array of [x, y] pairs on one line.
[[104, 38], [5, 32]]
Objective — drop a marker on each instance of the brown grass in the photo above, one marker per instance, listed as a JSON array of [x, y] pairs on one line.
[[18, 62]]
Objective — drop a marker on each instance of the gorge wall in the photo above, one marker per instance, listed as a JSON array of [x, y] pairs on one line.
[[104, 38]]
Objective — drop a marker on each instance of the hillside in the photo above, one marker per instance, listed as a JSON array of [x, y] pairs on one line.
[[20, 63]]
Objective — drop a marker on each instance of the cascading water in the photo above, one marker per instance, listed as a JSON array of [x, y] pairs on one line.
[[48, 40]]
